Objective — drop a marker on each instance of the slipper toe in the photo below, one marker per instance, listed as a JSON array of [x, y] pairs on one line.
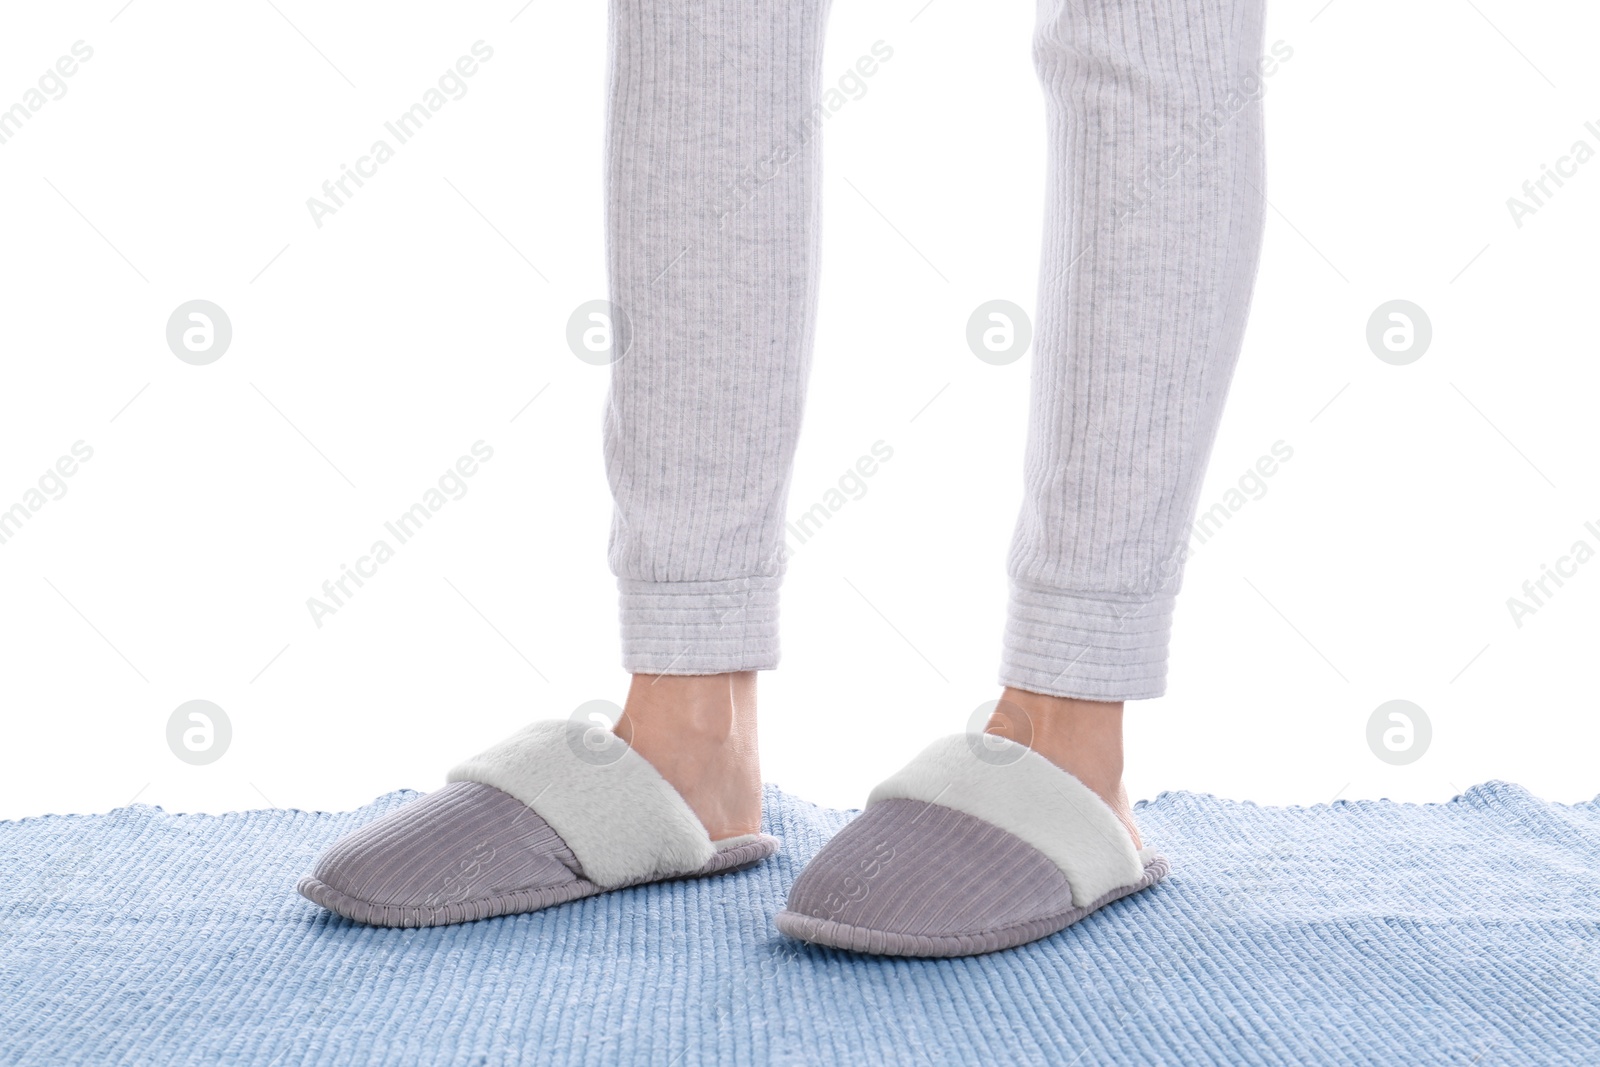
[[911, 878], [466, 851]]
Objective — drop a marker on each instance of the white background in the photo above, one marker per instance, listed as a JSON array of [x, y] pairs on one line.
[[370, 353]]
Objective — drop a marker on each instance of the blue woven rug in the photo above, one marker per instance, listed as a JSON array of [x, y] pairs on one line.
[[1356, 933]]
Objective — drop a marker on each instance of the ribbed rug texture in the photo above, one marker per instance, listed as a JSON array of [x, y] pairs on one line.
[[1353, 933]]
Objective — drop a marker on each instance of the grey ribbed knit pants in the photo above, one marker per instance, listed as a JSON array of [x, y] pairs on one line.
[[1152, 231]]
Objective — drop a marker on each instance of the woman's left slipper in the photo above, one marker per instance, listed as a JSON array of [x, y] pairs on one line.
[[979, 844]]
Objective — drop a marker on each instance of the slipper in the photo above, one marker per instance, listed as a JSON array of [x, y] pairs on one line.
[[978, 844], [556, 812]]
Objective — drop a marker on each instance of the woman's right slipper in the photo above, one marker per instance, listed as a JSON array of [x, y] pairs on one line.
[[539, 819], [979, 844]]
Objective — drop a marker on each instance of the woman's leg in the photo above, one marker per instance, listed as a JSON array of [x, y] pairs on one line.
[[712, 208], [713, 198], [1152, 232]]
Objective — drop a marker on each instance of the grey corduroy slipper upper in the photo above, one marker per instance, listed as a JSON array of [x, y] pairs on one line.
[[978, 844], [555, 812]]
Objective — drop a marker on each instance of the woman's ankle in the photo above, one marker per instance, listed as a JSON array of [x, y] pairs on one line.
[[699, 732], [1082, 737]]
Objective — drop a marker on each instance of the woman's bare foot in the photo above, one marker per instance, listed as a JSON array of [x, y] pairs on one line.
[[699, 733], [1082, 737]]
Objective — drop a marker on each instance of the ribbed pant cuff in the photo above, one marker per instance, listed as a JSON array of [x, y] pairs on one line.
[[699, 627], [1089, 647]]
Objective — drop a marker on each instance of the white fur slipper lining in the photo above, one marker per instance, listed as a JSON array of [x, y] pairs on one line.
[[1021, 792], [620, 818]]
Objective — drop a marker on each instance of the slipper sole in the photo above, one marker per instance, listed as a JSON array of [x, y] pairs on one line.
[[726, 861], [833, 934]]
